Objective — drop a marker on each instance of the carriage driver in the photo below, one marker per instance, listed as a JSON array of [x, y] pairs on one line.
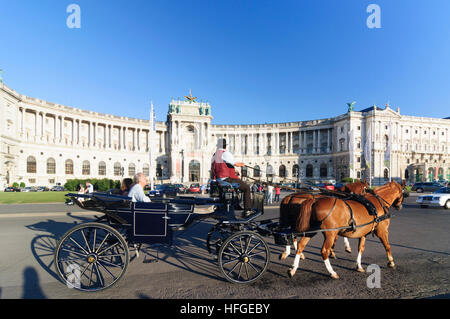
[[222, 168]]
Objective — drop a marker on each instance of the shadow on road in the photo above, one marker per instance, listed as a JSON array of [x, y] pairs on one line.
[[43, 246], [416, 248], [31, 287]]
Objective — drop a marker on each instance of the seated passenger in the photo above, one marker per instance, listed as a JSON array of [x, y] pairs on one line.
[[125, 188], [137, 191]]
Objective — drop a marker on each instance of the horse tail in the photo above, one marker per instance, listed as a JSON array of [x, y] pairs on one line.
[[304, 218]]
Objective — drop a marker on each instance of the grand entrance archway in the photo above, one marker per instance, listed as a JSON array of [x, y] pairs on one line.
[[194, 171]]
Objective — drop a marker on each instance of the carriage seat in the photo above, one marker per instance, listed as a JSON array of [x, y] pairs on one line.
[[218, 187]]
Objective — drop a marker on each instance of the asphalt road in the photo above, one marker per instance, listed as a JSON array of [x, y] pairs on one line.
[[419, 239]]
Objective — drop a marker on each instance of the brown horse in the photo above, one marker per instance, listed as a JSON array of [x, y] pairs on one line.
[[291, 205], [334, 213]]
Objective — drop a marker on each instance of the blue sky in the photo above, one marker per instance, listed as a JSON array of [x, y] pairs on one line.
[[254, 61]]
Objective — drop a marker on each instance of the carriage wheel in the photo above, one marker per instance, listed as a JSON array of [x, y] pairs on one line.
[[244, 257], [91, 257]]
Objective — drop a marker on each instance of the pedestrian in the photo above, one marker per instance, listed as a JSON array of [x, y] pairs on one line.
[[270, 194], [277, 193], [137, 191], [127, 183], [89, 188], [81, 190]]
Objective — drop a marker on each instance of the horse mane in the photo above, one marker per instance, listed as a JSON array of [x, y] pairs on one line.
[[385, 189]]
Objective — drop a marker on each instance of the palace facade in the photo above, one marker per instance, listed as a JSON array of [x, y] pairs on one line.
[[45, 144]]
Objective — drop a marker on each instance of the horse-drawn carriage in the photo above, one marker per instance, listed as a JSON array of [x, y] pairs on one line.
[[95, 255]]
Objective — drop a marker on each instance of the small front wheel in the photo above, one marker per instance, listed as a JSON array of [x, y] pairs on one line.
[[91, 257], [244, 257]]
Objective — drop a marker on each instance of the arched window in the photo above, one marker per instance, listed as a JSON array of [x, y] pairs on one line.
[[146, 169], [341, 144], [386, 174], [69, 167], [51, 166], [117, 169], [441, 173], [86, 168], [295, 170], [194, 171], [323, 170], [406, 174], [244, 171], [158, 170], [102, 168], [31, 164], [309, 170], [269, 172], [256, 172], [282, 171], [131, 170]]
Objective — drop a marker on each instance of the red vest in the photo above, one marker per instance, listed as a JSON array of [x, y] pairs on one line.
[[219, 168]]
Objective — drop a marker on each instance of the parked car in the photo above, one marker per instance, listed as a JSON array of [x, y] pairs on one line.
[[329, 187], [12, 189], [338, 185], [194, 188], [42, 189], [440, 198], [28, 189], [426, 187], [164, 190], [181, 188], [57, 189]]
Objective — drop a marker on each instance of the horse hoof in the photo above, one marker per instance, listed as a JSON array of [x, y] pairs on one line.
[[333, 256], [391, 265], [334, 276], [359, 269], [348, 250], [302, 256], [291, 273], [282, 257]]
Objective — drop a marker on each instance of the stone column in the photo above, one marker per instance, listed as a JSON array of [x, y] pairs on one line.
[[314, 142], [73, 132], [138, 139], [110, 135], [305, 145], [42, 125], [61, 123], [105, 143], [318, 141], [328, 140], [22, 115], [36, 115], [125, 131]]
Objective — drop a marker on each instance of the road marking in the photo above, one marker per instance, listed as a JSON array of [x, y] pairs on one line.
[[55, 214]]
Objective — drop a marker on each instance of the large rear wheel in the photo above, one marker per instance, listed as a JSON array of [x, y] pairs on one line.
[[91, 257], [244, 257]]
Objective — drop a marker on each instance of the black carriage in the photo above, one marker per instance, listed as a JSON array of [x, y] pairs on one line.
[[94, 256]]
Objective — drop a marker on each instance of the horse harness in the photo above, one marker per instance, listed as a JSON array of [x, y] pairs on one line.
[[370, 207]]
